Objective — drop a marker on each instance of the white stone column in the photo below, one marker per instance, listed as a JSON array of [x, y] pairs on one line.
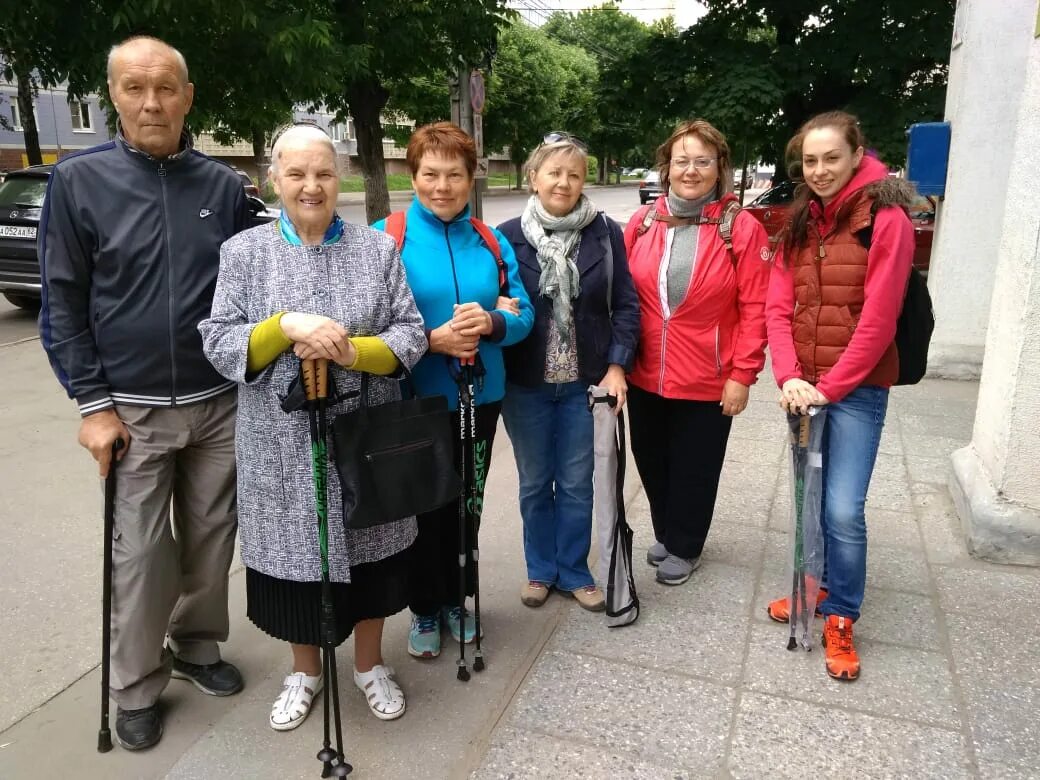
[[996, 479], [987, 68]]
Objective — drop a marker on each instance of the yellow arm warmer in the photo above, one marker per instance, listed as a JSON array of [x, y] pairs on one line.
[[267, 342], [373, 356]]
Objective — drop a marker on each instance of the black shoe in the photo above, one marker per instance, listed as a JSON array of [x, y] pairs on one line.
[[219, 679], [138, 729]]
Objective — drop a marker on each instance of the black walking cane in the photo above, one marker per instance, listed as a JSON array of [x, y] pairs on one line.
[[465, 402], [315, 373], [104, 740]]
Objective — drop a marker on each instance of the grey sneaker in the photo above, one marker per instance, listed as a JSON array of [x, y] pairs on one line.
[[656, 554], [675, 571]]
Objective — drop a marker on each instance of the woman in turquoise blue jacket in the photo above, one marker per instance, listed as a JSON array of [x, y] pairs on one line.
[[466, 284]]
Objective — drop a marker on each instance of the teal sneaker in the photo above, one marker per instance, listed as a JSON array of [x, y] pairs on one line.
[[424, 638], [450, 615]]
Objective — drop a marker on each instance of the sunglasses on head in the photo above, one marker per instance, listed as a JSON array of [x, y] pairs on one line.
[[558, 136]]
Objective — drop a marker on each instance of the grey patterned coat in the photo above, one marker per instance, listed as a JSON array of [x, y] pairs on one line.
[[359, 282]]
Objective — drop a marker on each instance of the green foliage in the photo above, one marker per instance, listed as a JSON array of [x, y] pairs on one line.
[[623, 119], [537, 85], [768, 65]]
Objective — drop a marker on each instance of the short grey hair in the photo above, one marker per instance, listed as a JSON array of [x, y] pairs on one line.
[[301, 135], [543, 152], [182, 64]]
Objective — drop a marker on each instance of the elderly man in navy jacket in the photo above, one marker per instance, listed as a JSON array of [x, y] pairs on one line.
[[129, 250]]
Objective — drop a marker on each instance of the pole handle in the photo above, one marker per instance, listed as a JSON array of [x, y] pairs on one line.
[[803, 431], [315, 378]]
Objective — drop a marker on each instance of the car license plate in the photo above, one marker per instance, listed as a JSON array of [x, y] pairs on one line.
[[17, 231]]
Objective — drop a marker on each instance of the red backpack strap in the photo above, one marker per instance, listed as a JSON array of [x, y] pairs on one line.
[[487, 235], [394, 226]]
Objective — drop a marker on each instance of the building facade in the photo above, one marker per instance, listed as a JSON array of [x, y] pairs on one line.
[[64, 127]]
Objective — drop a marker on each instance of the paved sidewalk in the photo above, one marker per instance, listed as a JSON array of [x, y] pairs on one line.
[[701, 686]]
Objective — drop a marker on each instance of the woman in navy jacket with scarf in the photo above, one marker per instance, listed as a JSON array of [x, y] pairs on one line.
[[586, 328]]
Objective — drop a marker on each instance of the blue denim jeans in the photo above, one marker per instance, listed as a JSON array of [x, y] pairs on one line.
[[850, 447], [552, 430]]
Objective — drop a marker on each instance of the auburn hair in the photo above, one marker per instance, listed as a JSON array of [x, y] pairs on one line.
[[796, 232], [444, 139], [708, 135]]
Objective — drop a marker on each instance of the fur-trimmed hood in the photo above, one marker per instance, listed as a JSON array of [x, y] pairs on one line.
[[891, 191]]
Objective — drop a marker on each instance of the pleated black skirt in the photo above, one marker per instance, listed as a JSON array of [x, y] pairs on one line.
[[291, 611]]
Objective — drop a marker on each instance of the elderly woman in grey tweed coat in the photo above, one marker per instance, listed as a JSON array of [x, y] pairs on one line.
[[311, 286]]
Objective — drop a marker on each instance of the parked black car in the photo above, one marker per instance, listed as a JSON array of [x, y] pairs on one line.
[[21, 201]]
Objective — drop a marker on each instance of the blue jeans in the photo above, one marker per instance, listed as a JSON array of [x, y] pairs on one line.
[[552, 430], [850, 447]]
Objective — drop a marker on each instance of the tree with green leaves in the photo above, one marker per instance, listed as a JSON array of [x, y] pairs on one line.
[[537, 85], [785, 60], [384, 42], [265, 64], [613, 39], [40, 44]]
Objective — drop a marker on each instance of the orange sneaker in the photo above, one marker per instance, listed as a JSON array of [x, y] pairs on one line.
[[780, 609], [842, 659]]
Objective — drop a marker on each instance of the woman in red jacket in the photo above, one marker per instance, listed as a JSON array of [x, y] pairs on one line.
[[832, 308], [701, 270]]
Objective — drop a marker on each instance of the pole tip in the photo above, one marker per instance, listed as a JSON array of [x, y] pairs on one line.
[[104, 741]]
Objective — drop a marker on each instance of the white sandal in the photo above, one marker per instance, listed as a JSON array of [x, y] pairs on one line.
[[294, 702], [385, 697]]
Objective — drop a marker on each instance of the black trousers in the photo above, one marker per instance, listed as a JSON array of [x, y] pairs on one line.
[[679, 447], [433, 579]]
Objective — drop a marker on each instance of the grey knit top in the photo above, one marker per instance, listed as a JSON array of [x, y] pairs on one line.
[[360, 282], [683, 256]]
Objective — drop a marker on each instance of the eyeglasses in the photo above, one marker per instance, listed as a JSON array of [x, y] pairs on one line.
[[558, 136], [682, 164]]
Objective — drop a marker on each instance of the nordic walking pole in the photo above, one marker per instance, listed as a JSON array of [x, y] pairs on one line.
[[316, 386], [475, 511], [464, 401], [104, 741]]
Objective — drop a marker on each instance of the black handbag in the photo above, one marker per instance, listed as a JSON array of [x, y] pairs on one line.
[[394, 460]]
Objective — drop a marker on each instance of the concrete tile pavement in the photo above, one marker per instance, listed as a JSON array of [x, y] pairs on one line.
[[701, 686]]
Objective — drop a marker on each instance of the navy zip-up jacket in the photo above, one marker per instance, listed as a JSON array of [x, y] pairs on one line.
[[129, 250], [605, 333]]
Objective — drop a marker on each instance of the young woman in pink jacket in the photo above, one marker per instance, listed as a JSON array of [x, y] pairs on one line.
[[834, 298]]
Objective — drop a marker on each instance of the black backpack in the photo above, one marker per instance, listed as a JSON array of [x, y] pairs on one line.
[[915, 324]]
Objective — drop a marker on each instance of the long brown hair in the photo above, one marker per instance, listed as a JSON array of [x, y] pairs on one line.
[[708, 135], [796, 232]]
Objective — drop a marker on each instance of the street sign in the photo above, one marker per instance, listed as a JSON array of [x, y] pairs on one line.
[[477, 96], [482, 167], [478, 133]]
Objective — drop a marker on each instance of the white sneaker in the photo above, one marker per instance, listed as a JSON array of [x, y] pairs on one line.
[[294, 702], [385, 697]]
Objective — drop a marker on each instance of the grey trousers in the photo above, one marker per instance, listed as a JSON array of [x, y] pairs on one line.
[[170, 573]]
